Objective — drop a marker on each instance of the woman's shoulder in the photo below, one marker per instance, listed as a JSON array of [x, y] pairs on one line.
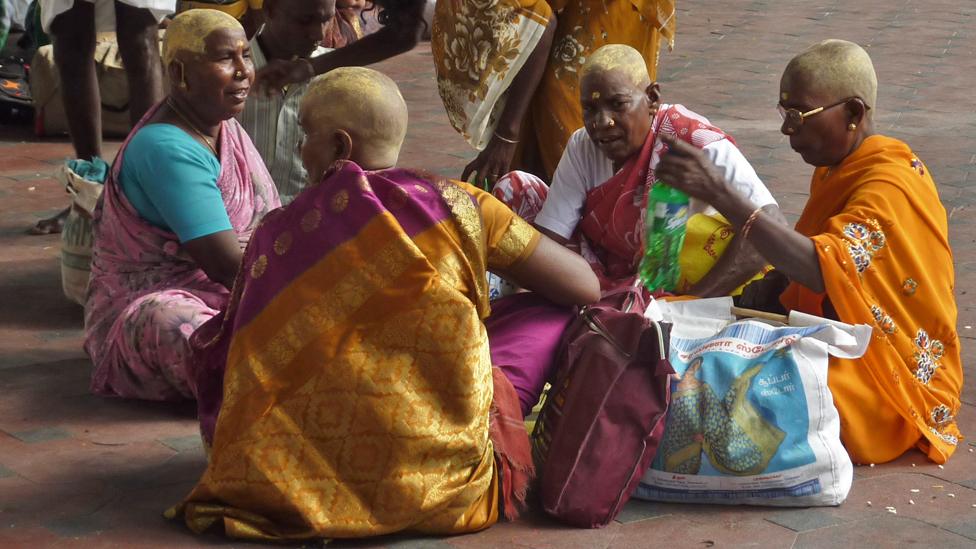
[[166, 142], [160, 131], [879, 154]]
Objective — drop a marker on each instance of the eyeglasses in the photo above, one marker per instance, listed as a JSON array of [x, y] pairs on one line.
[[794, 118]]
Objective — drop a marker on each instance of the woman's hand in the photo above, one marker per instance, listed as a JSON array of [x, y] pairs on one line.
[[278, 73], [490, 164], [687, 169]]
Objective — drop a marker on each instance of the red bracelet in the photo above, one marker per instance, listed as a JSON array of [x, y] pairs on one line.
[[747, 226]]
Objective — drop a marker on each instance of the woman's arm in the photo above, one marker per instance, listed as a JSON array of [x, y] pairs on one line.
[[740, 262], [686, 168], [557, 274], [218, 254], [496, 159], [399, 36]]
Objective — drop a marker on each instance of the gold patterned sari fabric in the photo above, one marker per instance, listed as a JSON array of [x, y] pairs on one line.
[[356, 402], [478, 48]]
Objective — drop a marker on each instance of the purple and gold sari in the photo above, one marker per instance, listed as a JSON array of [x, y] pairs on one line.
[[348, 389]]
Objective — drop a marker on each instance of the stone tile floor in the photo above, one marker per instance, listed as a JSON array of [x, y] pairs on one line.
[[76, 470]]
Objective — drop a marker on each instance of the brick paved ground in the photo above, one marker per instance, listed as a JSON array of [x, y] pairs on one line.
[[76, 470]]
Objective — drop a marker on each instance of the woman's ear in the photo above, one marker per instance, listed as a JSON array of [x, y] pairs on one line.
[[653, 93], [343, 145], [177, 74], [856, 110]]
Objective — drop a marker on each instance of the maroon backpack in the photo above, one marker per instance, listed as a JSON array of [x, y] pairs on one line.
[[604, 414]]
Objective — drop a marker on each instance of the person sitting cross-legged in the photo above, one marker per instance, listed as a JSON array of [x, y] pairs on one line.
[[600, 187], [181, 200], [348, 390], [871, 247]]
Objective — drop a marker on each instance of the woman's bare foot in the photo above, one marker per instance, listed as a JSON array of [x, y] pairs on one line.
[[51, 225]]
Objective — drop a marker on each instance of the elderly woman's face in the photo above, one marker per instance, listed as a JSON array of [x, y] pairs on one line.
[[617, 113], [823, 139], [218, 81]]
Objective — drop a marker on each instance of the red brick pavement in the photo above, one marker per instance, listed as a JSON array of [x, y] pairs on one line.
[[76, 470]]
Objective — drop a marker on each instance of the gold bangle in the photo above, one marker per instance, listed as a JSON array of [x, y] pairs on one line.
[[505, 139], [750, 221]]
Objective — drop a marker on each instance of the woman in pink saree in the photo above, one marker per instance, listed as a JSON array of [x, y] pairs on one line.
[[182, 199]]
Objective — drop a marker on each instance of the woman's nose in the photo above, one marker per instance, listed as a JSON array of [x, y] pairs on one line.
[[245, 69]]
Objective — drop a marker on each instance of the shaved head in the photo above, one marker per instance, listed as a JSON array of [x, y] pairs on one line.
[[363, 102], [621, 58], [189, 30], [833, 68]]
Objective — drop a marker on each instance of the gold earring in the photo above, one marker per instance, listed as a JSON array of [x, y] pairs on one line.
[[183, 85], [851, 127]]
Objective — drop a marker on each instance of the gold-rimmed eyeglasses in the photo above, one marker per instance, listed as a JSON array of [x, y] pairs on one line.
[[793, 118]]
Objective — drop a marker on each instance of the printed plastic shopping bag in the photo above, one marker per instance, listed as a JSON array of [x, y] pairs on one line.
[[751, 419]]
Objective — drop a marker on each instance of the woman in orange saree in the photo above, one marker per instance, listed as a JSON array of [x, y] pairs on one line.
[[871, 247], [357, 388]]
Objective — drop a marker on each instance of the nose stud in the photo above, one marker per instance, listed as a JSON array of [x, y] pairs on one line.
[[611, 123], [238, 74]]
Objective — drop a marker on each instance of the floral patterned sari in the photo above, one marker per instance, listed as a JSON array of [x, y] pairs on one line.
[[881, 234], [479, 47]]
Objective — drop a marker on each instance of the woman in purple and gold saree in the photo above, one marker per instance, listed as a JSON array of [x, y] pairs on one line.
[[359, 384], [348, 389]]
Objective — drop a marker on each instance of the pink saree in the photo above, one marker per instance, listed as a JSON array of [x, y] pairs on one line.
[[146, 295]]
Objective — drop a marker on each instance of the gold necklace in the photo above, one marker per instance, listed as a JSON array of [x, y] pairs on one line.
[[210, 145]]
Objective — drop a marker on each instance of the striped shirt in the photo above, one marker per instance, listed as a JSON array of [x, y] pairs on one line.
[[272, 123]]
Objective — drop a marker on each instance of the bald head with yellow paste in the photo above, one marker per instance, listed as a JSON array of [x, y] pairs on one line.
[[835, 69], [189, 30], [352, 113], [828, 93], [618, 57], [618, 101]]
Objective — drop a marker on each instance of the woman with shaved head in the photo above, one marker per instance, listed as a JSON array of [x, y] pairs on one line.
[[871, 247], [600, 187], [353, 377], [183, 196]]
